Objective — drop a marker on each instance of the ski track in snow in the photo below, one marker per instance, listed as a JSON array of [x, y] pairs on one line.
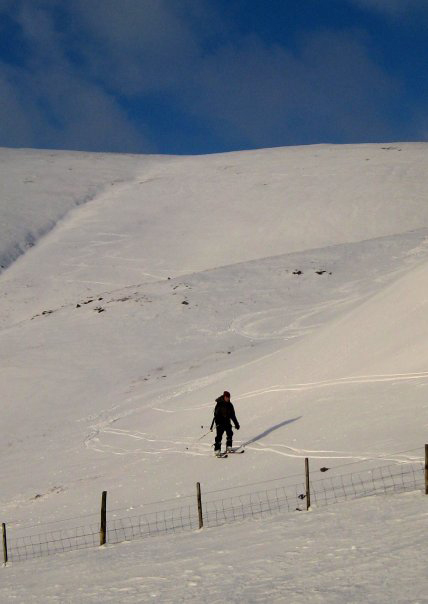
[[257, 326], [198, 449], [201, 449], [363, 379]]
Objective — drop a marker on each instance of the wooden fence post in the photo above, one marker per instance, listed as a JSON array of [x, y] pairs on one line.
[[103, 528], [308, 492], [5, 556], [199, 498], [426, 469]]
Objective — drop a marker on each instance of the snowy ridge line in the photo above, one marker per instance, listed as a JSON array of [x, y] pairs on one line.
[[222, 510]]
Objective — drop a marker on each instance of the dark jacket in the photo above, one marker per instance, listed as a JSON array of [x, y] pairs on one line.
[[224, 412]]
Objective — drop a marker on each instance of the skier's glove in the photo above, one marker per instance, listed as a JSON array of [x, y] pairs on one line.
[[237, 427]]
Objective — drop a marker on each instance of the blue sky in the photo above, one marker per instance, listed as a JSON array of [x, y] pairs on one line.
[[202, 76]]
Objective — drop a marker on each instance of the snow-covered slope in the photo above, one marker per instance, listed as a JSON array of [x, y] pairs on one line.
[[178, 215], [371, 551], [297, 278], [38, 188]]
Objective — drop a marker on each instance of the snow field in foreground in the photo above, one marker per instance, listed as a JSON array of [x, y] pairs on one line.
[[368, 551]]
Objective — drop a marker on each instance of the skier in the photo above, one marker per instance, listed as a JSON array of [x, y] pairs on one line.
[[223, 413]]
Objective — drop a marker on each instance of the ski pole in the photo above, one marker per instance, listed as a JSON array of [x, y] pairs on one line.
[[200, 438], [203, 436]]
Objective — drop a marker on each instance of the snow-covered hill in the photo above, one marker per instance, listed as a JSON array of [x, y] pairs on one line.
[[174, 216], [297, 278], [38, 188]]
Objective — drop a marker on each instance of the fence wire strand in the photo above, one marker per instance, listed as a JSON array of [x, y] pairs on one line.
[[217, 510]]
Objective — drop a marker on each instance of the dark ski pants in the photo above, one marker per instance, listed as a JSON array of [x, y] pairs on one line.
[[221, 428]]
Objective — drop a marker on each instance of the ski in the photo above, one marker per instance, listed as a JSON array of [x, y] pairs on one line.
[[221, 455], [236, 451]]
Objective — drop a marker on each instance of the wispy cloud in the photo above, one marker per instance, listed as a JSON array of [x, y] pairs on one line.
[[136, 47], [54, 102], [328, 89], [89, 67]]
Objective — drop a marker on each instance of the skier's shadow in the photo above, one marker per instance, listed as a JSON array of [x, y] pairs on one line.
[[269, 430]]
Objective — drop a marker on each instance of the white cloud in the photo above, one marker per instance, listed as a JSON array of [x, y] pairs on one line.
[[243, 89], [138, 47], [268, 94], [84, 117], [72, 90], [53, 103]]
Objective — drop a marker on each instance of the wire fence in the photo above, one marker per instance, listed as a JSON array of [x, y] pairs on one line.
[[222, 507]]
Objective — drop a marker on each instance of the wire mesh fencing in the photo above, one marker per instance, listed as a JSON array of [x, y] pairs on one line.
[[58, 541], [257, 500], [158, 522], [364, 483], [278, 497], [285, 497]]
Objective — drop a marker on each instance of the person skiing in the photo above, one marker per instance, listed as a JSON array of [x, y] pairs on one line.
[[224, 412]]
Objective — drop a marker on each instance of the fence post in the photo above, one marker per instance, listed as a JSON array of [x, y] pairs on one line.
[[103, 527], [308, 492], [426, 469], [199, 498], [5, 557]]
